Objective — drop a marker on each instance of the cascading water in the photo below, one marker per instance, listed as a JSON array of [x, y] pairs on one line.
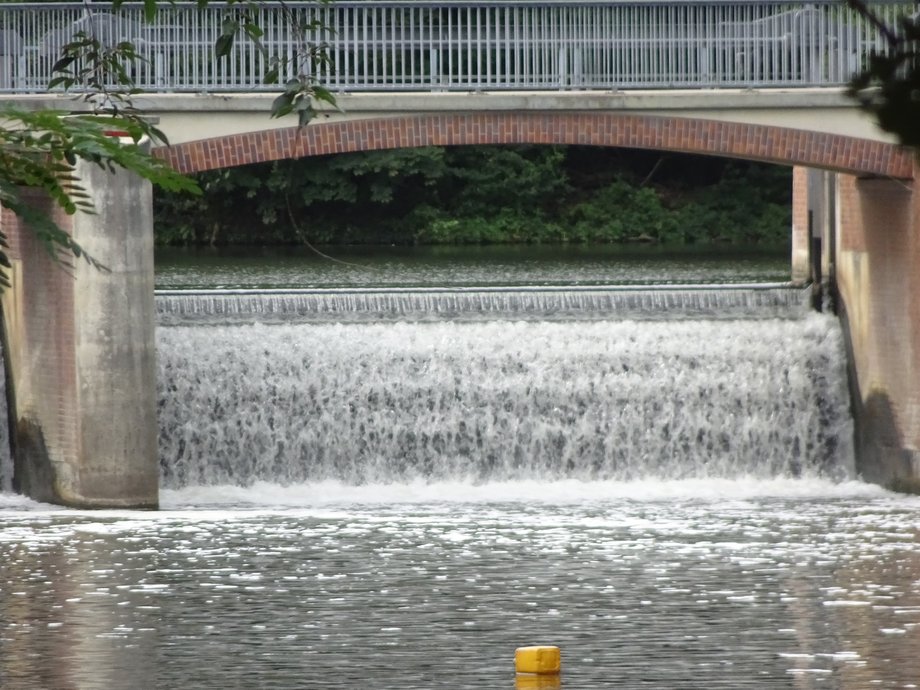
[[380, 398]]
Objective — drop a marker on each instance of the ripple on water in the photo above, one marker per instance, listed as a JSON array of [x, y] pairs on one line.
[[741, 589]]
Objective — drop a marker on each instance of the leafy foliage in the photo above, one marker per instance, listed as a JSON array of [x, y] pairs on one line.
[[483, 195], [889, 85], [302, 89], [40, 149]]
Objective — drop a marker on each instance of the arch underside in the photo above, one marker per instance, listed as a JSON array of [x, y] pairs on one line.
[[711, 137]]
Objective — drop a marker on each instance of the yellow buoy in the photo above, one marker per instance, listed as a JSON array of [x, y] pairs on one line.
[[540, 659]]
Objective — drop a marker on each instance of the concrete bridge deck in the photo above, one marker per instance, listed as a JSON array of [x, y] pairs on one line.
[[820, 128], [190, 117]]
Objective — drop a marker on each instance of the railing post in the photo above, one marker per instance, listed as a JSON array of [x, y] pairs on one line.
[[562, 61], [436, 77]]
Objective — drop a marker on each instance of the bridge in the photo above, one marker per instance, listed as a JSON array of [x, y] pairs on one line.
[[754, 80], [757, 80]]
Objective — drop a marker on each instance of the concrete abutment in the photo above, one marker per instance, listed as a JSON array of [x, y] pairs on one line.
[[857, 240], [877, 280], [81, 352]]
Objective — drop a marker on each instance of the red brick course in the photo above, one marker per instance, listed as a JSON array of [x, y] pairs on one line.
[[737, 140]]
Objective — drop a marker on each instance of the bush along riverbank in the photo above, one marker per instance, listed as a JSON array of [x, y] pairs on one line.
[[484, 195]]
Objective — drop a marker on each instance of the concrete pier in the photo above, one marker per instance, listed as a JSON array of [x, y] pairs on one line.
[[877, 272], [81, 353], [857, 239]]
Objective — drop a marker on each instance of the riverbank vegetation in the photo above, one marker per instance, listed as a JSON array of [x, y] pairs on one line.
[[484, 195]]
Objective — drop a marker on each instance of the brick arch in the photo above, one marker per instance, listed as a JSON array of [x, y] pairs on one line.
[[733, 139]]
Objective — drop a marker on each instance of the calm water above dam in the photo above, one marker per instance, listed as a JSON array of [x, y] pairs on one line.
[[395, 489], [353, 267]]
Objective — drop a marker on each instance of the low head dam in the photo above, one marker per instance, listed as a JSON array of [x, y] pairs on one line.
[[855, 212], [854, 234]]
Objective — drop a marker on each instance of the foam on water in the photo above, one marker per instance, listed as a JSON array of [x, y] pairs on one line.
[[15, 502], [563, 492]]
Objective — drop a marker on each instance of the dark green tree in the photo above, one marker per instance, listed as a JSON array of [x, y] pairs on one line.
[[889, 85]]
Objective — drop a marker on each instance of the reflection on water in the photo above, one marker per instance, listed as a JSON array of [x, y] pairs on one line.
[[293, 267], [412, 586]]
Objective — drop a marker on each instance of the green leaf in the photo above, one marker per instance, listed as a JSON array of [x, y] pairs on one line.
[[63, 63], [223, 45], [150, 10], [158, 135], [282, 105], [253, 30], [322, 94], [229, 25], [58, 81], [271, 76]]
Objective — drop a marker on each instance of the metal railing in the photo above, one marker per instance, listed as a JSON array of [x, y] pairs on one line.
[[466, 45]]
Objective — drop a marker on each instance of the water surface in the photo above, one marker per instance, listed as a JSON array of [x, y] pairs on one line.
[[299, 267], [671, 502], [733, 584]]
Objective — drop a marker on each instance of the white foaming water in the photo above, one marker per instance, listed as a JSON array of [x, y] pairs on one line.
[[564, 492], [502, 401]]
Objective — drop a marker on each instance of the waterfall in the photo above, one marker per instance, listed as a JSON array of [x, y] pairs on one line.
[[481, 399]]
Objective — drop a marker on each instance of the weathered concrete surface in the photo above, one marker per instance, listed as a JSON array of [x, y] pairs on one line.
[[877, 267], [80, 343]]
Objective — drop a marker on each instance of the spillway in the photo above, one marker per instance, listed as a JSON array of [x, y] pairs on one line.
[[496, 385]]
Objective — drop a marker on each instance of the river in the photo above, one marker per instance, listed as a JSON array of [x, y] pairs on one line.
[[386, 501]]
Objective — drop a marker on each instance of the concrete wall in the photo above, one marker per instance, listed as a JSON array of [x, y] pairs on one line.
[[877, 265], [80, 352]]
